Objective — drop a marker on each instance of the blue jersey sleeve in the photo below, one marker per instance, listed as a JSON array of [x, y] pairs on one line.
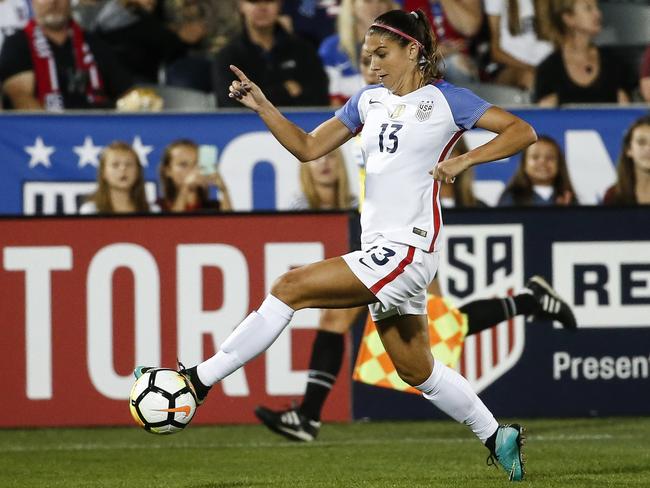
[[350, 114], [466, 106]]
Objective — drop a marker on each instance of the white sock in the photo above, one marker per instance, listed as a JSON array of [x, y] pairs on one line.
[[254, 335], [452, 393]]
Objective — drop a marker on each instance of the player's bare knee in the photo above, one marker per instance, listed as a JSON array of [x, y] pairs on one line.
[[288, 288], [412, 376]]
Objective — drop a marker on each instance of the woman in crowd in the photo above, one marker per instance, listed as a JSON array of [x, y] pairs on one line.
[[578, 71], [542, 177], [516, 40], [184, 187], [324, 185], [120, 183], [632, 186]]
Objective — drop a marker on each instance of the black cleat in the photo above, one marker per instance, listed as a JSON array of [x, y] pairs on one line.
[[551, 305], [289, 423]]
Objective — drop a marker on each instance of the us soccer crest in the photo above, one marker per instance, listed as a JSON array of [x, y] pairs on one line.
[[424, 110], [488, 261]]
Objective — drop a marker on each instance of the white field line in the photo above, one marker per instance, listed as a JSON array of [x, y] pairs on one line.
[[93, 446]]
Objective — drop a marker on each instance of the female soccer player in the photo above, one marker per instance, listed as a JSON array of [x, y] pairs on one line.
[[408, 123]]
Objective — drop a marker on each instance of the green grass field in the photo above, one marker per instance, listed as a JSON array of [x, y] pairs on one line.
[[560, 453]]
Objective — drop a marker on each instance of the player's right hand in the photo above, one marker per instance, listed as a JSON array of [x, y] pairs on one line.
[[245, 91]]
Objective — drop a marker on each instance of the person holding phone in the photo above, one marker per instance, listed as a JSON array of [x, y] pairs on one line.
[[187, 171]]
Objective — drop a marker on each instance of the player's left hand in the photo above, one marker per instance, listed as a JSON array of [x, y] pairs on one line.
[[446, 171]]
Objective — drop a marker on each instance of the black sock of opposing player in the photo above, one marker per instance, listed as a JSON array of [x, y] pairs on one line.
[[483, 314], [324, 366]]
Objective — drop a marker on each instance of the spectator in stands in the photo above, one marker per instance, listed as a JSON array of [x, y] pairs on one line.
[[185, 188], [578, 71], [53, 64], [644, 75], [313, 20], [541, 179], [456, 23], [460, 193], [324, 185], [285, 67], [340, 52], [140, 39], [120, 183], [219, 18], [14, 15], [633, 173], [516, 42]]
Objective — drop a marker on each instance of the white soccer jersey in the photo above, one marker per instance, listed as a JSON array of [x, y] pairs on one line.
[[402, 139]]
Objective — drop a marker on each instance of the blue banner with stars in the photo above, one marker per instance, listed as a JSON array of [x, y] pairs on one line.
[[49, 162]]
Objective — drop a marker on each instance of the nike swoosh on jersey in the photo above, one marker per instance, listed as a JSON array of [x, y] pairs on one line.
[[373, 101]]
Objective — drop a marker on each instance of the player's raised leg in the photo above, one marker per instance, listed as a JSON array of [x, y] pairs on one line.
[[326, 284], [406, 340]]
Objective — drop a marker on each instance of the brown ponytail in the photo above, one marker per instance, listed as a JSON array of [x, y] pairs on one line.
[[416, 25]]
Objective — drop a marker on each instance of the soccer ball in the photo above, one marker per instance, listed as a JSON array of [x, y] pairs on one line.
[[162, 401]]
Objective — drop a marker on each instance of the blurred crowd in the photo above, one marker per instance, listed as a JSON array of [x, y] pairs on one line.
[[132, 54], [58, 54]]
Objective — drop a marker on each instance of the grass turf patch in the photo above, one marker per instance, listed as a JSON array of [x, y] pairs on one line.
[[560, 453]]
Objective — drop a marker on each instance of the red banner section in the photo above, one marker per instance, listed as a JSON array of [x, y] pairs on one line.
[[84, 300]]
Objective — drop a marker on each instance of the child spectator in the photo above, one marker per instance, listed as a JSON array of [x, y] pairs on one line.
[[633, 173], [515, 40], [120, 183], [541, 179], [578, 71], [184, 187]]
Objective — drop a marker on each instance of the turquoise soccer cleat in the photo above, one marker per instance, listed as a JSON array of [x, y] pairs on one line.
[[140, 370], [508, 450]]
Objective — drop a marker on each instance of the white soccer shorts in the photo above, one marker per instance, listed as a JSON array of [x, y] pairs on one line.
[[397, 274]]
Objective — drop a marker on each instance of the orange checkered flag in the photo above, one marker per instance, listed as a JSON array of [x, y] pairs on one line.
[[447, 331]]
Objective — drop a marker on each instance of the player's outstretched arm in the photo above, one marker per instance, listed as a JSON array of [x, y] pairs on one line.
[[304, 146], [513, 135]]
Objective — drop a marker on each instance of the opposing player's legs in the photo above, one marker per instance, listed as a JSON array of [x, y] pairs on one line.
[[302, 422], [405, 339]]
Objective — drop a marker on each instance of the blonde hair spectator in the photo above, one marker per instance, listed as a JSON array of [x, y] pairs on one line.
[[324, 184], [120, 182]]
